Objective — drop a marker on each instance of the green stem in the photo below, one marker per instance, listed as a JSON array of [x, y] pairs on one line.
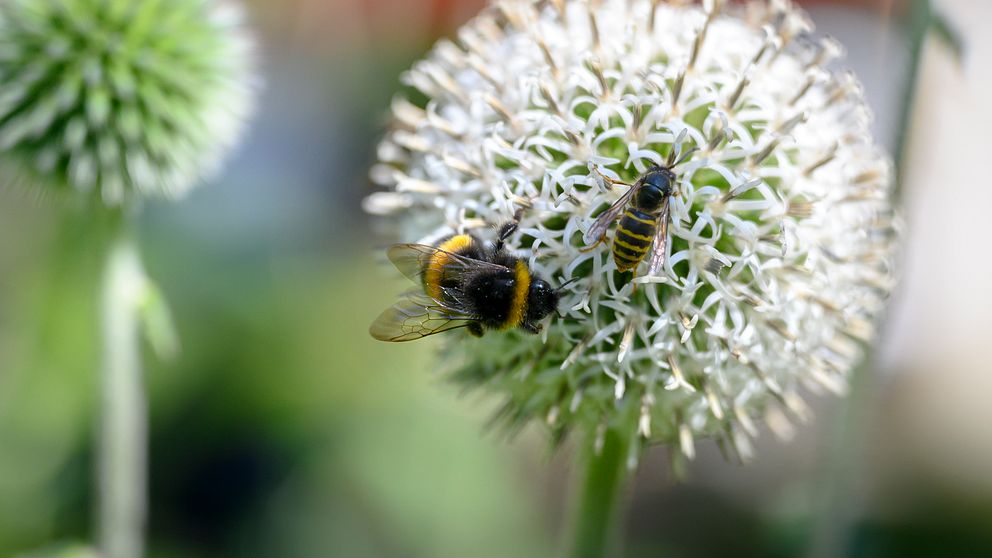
[[123, 424], [840, 490], [596, 516], [918, 25]]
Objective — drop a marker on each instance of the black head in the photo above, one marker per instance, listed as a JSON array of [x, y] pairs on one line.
[[657, 186], [541, 300]]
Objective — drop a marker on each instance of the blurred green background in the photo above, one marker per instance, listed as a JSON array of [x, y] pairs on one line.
[[284, 430]]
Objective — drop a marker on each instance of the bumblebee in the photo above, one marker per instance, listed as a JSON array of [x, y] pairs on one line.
[[646, 210], [464, 283]]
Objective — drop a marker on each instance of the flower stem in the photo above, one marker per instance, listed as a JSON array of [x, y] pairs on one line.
[[918, 26], [844, 467], [596, 516], [123, 424]]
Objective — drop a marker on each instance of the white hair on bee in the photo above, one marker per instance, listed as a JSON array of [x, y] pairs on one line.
[[781, 241]]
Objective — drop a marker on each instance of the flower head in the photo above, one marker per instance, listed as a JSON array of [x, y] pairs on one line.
[[123, 99], [781, 237]]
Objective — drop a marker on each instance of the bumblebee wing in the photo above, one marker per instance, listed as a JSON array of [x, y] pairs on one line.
[[660, 244], [417, 315], [605, 219], [413, 260]]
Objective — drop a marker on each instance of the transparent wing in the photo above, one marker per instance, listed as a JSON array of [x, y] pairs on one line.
[[605, 219], [660, 244], [412, 261], [417, 315]]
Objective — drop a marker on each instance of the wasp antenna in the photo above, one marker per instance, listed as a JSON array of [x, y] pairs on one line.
[[676, 148], [685, 156]]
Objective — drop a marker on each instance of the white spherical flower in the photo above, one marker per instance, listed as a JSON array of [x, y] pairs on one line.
[[781, 236]]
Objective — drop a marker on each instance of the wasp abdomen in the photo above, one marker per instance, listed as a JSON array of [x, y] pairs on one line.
[[633, 238]]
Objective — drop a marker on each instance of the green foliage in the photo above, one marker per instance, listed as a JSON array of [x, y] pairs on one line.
[[62, 551], [358, 450]]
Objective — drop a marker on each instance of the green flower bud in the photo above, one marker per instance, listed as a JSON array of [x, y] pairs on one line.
[[121, 98]]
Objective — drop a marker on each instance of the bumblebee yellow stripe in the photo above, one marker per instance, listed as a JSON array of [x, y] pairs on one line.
[[630, 215], [434, 272], [630, 247], [521, 288], [626, 232]]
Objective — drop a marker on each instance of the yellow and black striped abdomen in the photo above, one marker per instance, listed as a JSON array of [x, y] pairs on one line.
[[633, 238], [435, 278]]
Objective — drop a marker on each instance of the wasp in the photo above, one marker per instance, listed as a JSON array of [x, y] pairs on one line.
[[465, 283], [646, 209]]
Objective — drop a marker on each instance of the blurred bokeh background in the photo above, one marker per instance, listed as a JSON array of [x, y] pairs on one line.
[[284, 430]]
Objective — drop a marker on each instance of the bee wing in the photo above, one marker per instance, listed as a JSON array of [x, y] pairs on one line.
[[660, 244], [417, 315], [412, 261], [605, 219]]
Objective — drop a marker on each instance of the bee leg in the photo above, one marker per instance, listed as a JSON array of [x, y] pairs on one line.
[[607, 179], [593, 246], [531, 327], [507, 229], [475, 329], [519, 213]]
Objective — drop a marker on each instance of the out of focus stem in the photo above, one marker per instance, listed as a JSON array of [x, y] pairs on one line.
[[841, 491], [124, 413], [596, 516], [918, 26]]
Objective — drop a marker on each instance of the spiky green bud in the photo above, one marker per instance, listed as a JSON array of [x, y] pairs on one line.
[[121, 98]]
